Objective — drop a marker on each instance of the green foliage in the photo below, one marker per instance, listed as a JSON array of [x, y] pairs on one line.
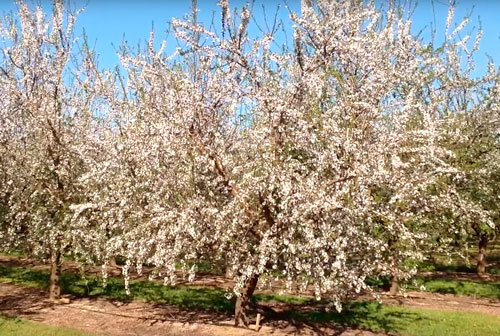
[[17, 327]]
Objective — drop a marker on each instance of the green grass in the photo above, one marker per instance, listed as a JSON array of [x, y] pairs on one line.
[[365, 315], [14, 253], [449, 286], [16, 327], [406, 321], [481, 289], [458, 266], [23, 254], [289, 299], [189, 297]]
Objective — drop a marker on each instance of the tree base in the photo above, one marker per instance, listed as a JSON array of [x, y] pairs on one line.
[[242, 306], [394, 290], [62, 300]]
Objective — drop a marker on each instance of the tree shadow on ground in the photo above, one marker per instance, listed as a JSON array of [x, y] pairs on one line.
[[28, 302], [24, 303], [196, 304], [364, 315]]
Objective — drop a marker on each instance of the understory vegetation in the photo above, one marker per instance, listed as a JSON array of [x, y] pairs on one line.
[[368, 315], [17, 327], [215, 298]]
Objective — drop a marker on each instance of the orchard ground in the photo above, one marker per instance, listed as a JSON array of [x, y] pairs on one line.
[[454, 303]]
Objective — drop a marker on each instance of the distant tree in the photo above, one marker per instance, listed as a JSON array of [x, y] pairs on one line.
[[454, 209], [470, 111], [476, 144]]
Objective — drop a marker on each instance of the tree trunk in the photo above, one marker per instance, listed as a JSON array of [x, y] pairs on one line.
[[55, 276], [228, 272], [481, 256], [112, 262], [243, 302], [394, 290]]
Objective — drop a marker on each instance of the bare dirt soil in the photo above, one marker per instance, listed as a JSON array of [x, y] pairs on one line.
[[445, 302]]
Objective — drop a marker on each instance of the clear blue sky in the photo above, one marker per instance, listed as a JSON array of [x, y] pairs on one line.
[[109, 22]]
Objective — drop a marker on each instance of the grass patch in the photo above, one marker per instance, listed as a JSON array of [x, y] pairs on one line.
[[479, 289], [428, 266], [449, 286], [17, 327], [189, 297], [289, 299], [14, 253], [406, 321], [456, 267]]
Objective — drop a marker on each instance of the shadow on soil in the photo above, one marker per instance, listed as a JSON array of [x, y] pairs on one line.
[[198, 304]]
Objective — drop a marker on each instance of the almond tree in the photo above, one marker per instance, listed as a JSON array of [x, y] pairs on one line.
[[474, 138], [470, 111], [276, 159], [47, 122], [458, 99]]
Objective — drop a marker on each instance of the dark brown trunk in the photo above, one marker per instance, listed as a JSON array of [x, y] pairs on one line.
[[481, 255], [394, 290], [243, 302], [55, 276]]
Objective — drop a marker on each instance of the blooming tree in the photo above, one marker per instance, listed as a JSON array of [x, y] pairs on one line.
[[459, 100], [46, 124], [279, 161], [469, 110], [474, 139]]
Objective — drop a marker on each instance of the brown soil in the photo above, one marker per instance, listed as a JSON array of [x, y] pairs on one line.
[[445, 302]]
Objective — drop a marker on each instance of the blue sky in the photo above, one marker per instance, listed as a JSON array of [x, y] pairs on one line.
[[109, 22]]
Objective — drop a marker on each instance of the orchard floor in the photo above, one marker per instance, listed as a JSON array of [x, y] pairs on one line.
[[107, 317], [102, 316]]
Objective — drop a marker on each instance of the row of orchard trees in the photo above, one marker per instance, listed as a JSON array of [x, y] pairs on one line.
[[349, 154]]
